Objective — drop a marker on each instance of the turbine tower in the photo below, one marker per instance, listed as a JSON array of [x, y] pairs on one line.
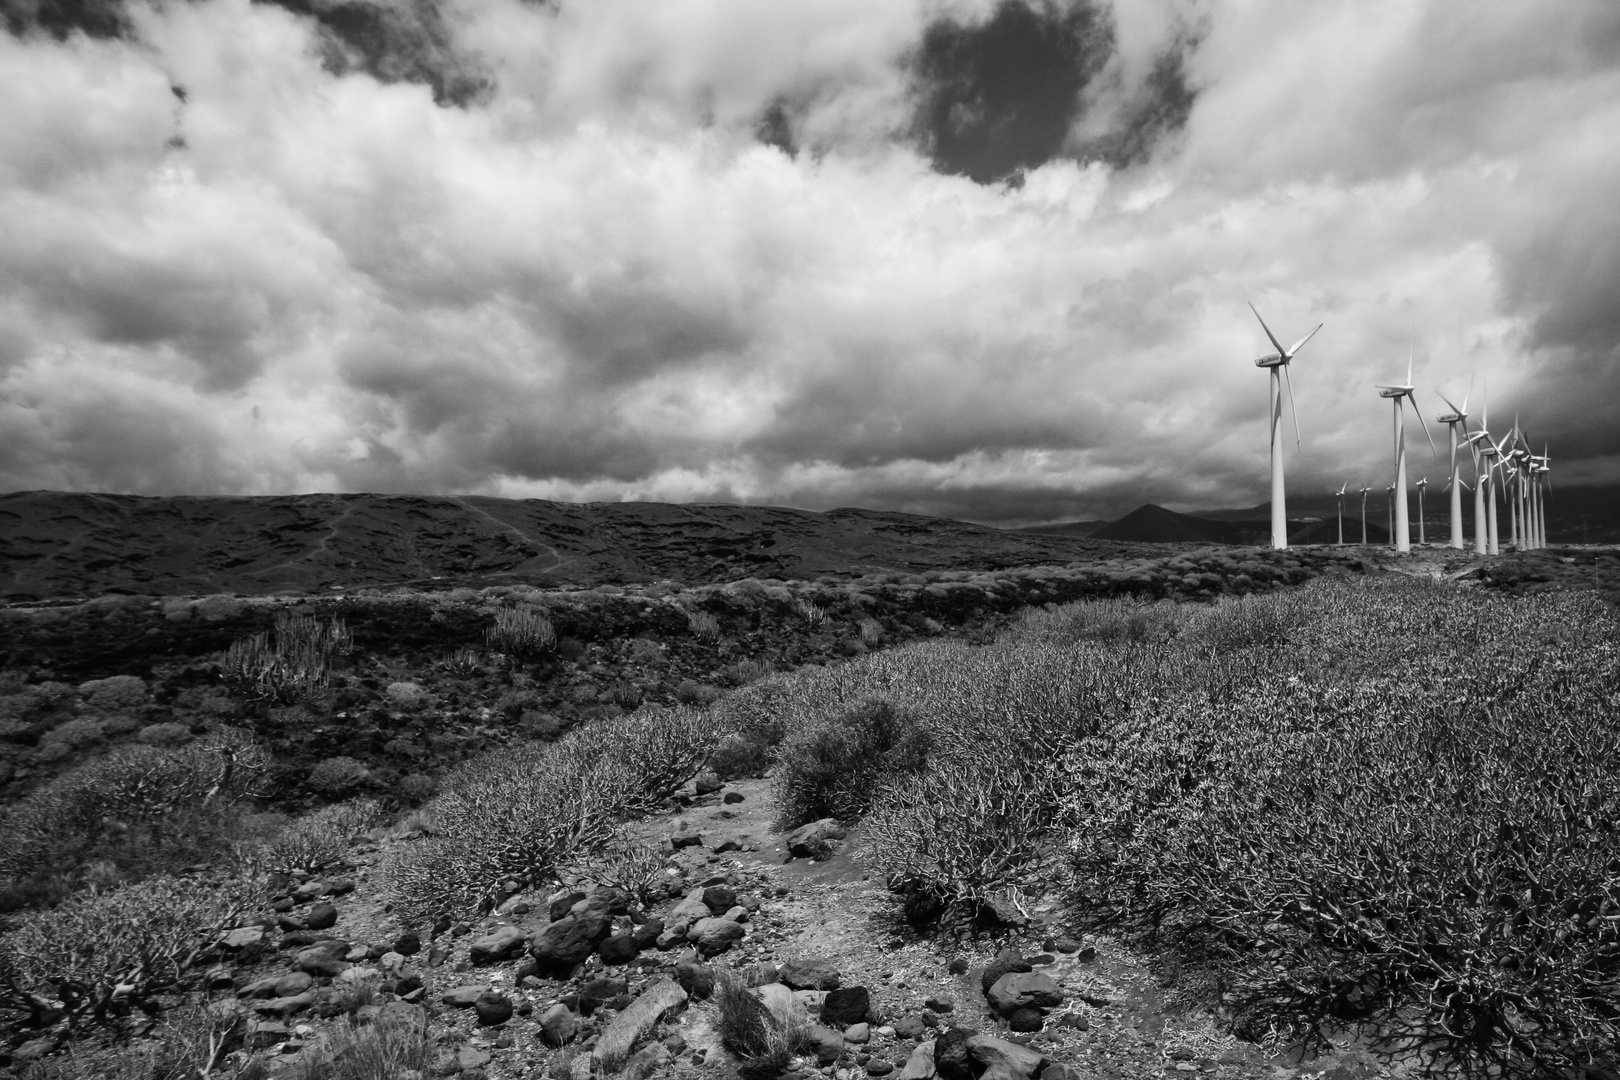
[[1389, 509], [1364, 491], [1342, 488], [1398, 393], [1485, 451], [1278, 361], [1422, 485], [1451, 420]]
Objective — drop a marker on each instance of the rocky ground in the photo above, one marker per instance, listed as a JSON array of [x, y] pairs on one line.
[[586, 983]]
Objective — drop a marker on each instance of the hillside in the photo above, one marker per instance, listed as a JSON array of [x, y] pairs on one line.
[[55, 544]]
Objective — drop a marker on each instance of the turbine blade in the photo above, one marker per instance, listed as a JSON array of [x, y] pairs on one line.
[[1274, 342], [1425, 427], [1449, 405], [1469, 394], [1291, 410], [1484, 404], [1300, 344]]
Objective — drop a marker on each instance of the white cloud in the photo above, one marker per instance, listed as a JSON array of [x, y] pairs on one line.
[[597, 284]]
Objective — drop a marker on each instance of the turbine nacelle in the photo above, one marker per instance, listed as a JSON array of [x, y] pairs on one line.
[[1270, 360], [1395, 391]]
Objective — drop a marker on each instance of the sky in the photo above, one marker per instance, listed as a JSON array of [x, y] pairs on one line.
[[984, 259]]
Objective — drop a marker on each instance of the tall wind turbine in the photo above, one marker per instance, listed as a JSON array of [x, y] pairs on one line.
[[1278, 361], [1451, 420], [1485, 454], [1364, 515], [1398, 393], [1342, 488], [1543, 470], [1389, 508], [1422, 485]]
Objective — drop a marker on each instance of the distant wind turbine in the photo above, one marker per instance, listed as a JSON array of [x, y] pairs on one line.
[[1451, 420], [1278, 361], [1421, 485], [1485, 454], [1398, 393], [1364, 491], [1342, 488]]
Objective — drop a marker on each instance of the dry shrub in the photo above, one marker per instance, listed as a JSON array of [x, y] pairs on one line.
[[521, 632], [318, 841], [521, 812], [288, 666], [338, 775], [833, 768], [114, 692], [100, 957], [705, 627], [751, 1031], [632, 867], [382, 1051]]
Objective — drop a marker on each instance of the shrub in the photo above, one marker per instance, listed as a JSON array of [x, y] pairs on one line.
[[116, 692], [380, 1051], [521, 632], [415, 788], [102, 956], [696, 694], [75, 733], [635, 868], [704, 627], [833, 768], [464, 661], [317, 841], [165, 734], [405, 696], [289, 667], [338, 776], [520, 812]]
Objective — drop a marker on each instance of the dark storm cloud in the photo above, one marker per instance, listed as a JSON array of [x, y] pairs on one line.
[[1001, 95], [61, 18]]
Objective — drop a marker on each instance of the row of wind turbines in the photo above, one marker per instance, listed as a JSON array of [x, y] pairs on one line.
[[1505, 471]]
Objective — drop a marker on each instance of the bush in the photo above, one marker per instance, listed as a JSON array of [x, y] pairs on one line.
[[405, 696], [696, 694], [105, 955], [117, 692], [521, 812], [338, 776], [76, 733], [379, 1051], [318, 841], [290, 667], [166, 734], [521, 632], [833, 768]]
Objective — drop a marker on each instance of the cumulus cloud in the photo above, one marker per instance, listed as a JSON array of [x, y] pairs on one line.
[[982, 258]]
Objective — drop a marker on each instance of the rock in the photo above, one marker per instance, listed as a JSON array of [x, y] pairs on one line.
[[646, 934], [1062, 1072], [1015, 991], [998, 913], [470, 1057], [243, 937], [958, 966], [669, 939], [920, 1065], [618, 949], [719, 899], [463, 997], [599, 991], [825, 1043], [566, 943], [265, 1033], [940, 1004], [322, 958], [727, 846], [321, 917], [1075, 1021], [707, 782], [219, 978], [732, 797], [1007, 961], [858, 1034], [810, 973], [562, 903], [1014, 1062], [285, 1006], [650, 1060], [407, 944], [784, 1007], [294, 982], [557, 1026], [846, 1006], [634, 1024], [493, 1008], [687, 912], [951, 1059], [696, 979], [340, 887], [498, 944], [260, 988], [309, 890], [685, 840], [910, 1027], [1025, 1020], [816, 840], [713, 936], [879, 1067]]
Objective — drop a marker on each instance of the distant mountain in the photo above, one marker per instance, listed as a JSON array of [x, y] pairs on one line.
[[1155, 525], [55, 544], [1064, 528]]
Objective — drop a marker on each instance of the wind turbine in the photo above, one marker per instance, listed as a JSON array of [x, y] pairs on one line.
[[1389, 508], [1342, 489], [1485, 534], [1278, 361], [1421, 485], [1364, 491], [1451, 420], [1543, 468], [1398, 393]]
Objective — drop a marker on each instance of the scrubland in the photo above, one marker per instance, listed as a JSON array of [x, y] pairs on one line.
[[1384, 802]]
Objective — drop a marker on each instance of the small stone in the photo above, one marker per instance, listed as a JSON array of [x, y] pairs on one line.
[[407, 944], [817, 840], [859, 1034], [463, 997], [1066, 945], [845, 1006], [909, 1027], [958, 966], [727, 846], [618, 949], [732, 797], [810, 973], [470, 1057], [825, 1043], [497, 945], [1025, 1020], [879, 1067], [940, 1005], [294, 982], [308, 891], [1062, 1072], [707, 782], [1074, 1021], [321, 917], [714, 936], [686, 840], [558, 1026]]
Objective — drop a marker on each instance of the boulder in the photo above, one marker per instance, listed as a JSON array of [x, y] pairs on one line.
[[784, 1007], [817, 840], [309, 890], [321, 917], [566, 943], [499, 944], [687, 912], [493, 1008], [651, 1060], [285, 1006], [407, 944], [1005, 1058], [719, 899], [713, 936], [558, 1026], [696, 979], [260, 988], [845, 1006], [825, 1043], [294, 982], [463, 997], [1015, 991], [951, 1058], [635, 1023], [243, 937], [562, 903], [707, 782], [858, 1034], [879, 1067], [809, 973], [920, 1065], [618, 949], [1007, 961], [322, 958], [646, 934], [1025, 1021], [909, 1027]]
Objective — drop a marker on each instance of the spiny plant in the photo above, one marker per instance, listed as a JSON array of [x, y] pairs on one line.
[[522, 632], [288, 666]]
